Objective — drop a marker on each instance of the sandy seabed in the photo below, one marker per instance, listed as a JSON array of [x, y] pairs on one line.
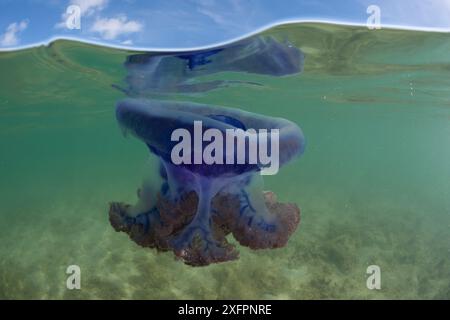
[[326, 258]]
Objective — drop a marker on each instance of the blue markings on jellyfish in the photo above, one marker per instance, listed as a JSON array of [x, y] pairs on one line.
[[199, 58], [152, 73], [213, 192]]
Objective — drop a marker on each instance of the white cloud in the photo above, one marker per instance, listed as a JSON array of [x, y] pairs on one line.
[[229, 14], [217, 18], [87, 8], [111, 28], [419, 13], [9, 38]]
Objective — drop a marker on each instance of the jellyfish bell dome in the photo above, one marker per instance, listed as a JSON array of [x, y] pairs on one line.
[[154, 122]]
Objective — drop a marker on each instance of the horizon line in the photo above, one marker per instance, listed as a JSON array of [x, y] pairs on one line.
[[221, 43]]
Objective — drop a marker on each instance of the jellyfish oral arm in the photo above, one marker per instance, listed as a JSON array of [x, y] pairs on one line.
[[206, 188]]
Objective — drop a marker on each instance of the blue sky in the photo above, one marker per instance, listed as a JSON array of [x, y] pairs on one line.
[[194, 23]]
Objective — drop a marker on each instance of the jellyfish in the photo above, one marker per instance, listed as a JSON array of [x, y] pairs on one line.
[[210, 158], [217, 190], [151, 73]]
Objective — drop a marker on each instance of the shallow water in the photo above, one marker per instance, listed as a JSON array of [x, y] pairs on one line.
[[373, 184]]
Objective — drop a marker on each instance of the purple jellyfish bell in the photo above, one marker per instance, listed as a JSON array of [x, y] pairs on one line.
[[211, 162]]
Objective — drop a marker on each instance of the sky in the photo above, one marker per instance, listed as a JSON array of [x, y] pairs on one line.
[[193, 23]]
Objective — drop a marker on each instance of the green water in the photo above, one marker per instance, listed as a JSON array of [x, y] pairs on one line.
[[373, 184]]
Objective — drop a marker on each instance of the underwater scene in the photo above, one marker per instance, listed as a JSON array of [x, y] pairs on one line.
[[363, 177]]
